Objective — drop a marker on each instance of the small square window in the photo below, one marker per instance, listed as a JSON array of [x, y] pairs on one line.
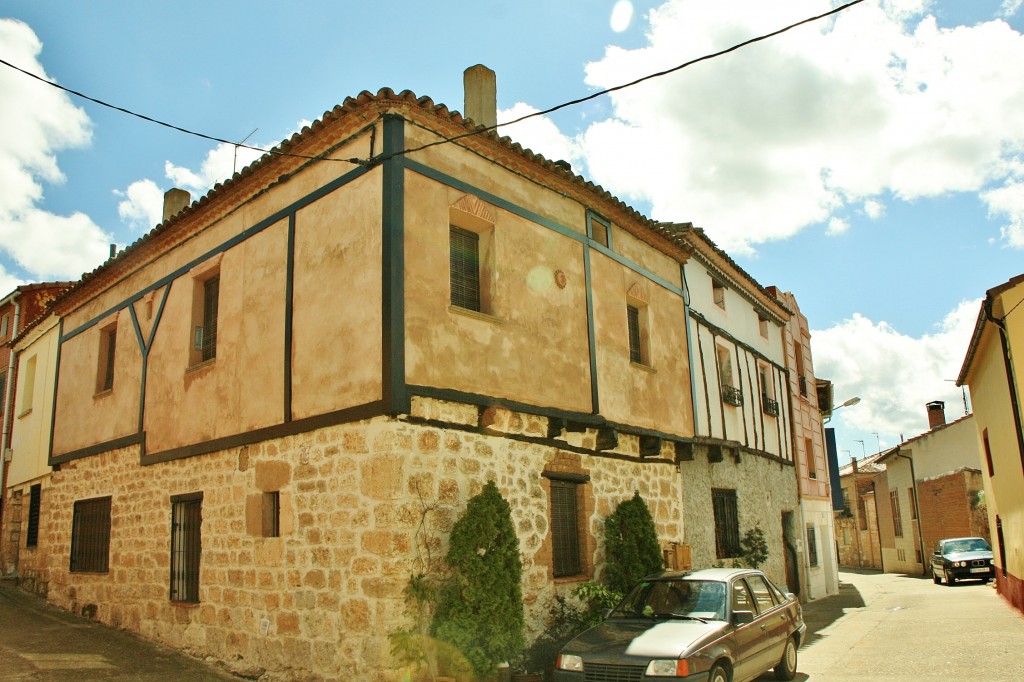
[[599, 229], [718, 293], [762, 326]]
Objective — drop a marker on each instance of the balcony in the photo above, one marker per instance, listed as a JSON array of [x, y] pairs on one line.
[[732, 396], [769, 406]]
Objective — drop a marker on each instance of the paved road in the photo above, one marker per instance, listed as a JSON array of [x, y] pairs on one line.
[[41, 642], [891, 627]]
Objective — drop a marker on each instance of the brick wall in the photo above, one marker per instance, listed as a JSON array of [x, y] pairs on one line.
[[949, 507]]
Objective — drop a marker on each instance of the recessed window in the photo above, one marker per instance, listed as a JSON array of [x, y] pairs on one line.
[[812, 468], [465, 268], [897, 520], [272, 514], [5, 325], [90, 536], [769, 405], [35, 495], [105, 369], [812, 546], [205, 307], [186, 546], [727, 526], [599, 229], [28, 389], [762, 326], [731, 395], [718, 293]]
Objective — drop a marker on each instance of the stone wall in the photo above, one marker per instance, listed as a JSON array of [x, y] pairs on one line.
[[362, 507]]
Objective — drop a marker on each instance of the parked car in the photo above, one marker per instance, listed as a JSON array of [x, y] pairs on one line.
[[962, 558], [714, 625]]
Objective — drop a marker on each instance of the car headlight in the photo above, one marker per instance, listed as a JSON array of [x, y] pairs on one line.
[[961, 564], [569, 662], [672, 667]]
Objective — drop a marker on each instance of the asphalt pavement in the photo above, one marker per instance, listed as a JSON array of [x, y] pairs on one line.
[[42, 642]]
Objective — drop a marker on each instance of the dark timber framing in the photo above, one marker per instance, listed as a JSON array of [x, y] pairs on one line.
[[396, 393]]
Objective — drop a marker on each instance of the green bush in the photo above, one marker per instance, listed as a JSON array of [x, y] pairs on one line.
[[480, 609], [565, 619], [754, 548], [631, 541]]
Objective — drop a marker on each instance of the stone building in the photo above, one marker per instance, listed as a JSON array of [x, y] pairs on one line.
[[856, 525], [267, 413], [991, 370]]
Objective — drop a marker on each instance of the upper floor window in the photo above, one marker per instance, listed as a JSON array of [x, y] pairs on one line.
[[28, 386], [762, 326], [5, 326], [769, 404], [599, 229], [897, 520], [718, 293], [731, 394], [105, 368], [812, 466], [205, 307], [464, 254], [633, 322]]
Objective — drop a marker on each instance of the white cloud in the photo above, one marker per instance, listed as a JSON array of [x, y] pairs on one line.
[[142, 207], [1010, 7], [874, 209], [622, 16], [220, 163], [36, 122], [837, 226], [765, 141], [539, 134], [856, 352]]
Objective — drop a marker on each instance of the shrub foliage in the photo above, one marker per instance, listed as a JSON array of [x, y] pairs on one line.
[[631, 542], [480, 609]]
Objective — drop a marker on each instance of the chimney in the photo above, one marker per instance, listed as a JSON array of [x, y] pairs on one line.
[[174, 201], [854, 462], [936, 413], [481, 88]]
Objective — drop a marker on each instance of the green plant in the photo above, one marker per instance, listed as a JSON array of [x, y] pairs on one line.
[[631, 543], [753, 548], [480, 608], [566, 618]]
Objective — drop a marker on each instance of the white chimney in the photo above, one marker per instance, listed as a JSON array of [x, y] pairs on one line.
[[174, 201], [481, 88]]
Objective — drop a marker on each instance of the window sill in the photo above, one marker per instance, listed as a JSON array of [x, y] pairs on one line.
[[185, 604], [475, 315], [102, 394], [565, 580], [201, 366], [640, 365], [25, 413]]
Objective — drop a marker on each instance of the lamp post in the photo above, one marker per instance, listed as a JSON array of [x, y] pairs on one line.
[[852, 401]]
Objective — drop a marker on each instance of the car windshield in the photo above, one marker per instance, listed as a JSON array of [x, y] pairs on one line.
[[680, 599], [966, 545]]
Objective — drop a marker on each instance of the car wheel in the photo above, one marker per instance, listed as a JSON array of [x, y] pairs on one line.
[[718, 674], [949, 579], [786, 669]]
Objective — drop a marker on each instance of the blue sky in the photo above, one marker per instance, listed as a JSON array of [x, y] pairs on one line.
[[873, 163]]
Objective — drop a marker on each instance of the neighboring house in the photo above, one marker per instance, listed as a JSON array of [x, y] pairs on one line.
[[318, 363], [929, 491], [819, 562], [741, 463], [992, 370], [856, 525], [18, 310]]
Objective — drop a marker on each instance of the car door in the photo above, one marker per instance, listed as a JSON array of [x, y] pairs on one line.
[[773, 619], [749, 638]]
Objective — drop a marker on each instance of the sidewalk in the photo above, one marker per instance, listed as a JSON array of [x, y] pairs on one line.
[[41, 642], [884, 626]]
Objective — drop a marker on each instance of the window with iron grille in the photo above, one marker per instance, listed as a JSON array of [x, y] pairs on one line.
[[897, 521], [186, 546], [565, 535], [32, 535], [90, 536], [635, 349], [465, 268], [211, 302], [727, 527], [812, 546]]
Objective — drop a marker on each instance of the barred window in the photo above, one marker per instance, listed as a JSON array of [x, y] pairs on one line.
[[565, 536], [812, 546], [727, 527], [186, 546], [897, 520], [90, 536], [211, 302], [633, 320], [465, 268], [32, 535]]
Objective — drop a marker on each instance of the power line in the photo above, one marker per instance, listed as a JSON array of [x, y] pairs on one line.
[[455, 138]]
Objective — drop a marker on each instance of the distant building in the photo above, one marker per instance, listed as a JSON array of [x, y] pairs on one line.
[[994, 371], [856, 525]]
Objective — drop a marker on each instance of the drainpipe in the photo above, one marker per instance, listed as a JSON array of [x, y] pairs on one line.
[[917, 508]]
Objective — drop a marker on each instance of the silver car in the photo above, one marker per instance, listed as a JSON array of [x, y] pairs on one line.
[[714, 625]]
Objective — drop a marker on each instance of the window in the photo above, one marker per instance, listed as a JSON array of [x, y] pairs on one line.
[[727, 527], [633, 320], [90, 536], [599, 229], [801, 379], [211, 301], [897, 522], [812, 546], [988, 453], [5, 325], [29, 386], [762, 325], [272, 514], [769, 405], [741, 599], [186, 546], [105, 370], [32, 535], [566, 547], [913, 502], [718, 293], [846, 500], [812, 466], [730, 394], [762, 594], [465, 268]]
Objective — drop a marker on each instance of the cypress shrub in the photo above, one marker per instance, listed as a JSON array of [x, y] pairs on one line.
[[631, 541], [480, 609]]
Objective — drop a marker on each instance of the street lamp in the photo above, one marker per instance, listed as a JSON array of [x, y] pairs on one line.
[[852, 401]]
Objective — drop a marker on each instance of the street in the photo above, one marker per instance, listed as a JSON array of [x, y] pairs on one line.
[[880, 627], [884, 626]]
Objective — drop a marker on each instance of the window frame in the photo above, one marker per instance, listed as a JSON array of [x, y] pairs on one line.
[[206, 287], [725, 511], [718, 292], [599, 229], [566, 525], [35, 501], [107, 355], [897, 519], [90, 536], [271, 514], [812, 546], [465, 276], [186, 561]]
